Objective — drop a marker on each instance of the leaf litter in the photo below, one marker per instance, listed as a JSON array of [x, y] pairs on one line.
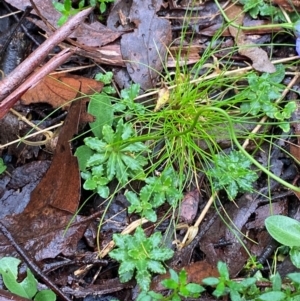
[[37, 206]]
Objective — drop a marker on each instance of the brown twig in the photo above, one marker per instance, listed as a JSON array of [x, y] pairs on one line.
[[33, 267], [17, 76], [56, 61]]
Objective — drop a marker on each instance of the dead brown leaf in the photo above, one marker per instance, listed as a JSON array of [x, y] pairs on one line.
[[60, 187], [41, 227], [145, 48], [259, 57], [189, 207], [60, 89]]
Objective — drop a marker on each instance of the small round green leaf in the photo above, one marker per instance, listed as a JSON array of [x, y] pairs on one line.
[[284, 229], [272, 296]]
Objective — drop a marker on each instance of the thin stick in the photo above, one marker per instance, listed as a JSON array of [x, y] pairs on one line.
[[33, 267], [17, 76]]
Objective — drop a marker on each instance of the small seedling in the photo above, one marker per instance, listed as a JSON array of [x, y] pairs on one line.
[[224, 285], [158, 190], [262, 8], [141, 254], [261, 94], [102, 3], [110, 157], [178, 286], [232, 172], [28, 287], [67, 10]]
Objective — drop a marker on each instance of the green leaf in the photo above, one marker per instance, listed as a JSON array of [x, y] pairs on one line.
[[169, 284], [29, 285], [276, 282], [102, 7], [2, 166], [103, 191], [195, 288], [161, 254], [108, 134], [58, 6], [67, 5], [134, 253], [131, 93], [155, 239], [143, 279], [284, 229], [150, 215], [155, 267], [95, 144], [295, 277], [220, 290], [83, 153], [183, 291], [295, 256], [155, 296], [211, 281], [231, 172], [9, 271], [223, 270], [45, 295], [278, 76], [101, 108], [285, 126], [272, 296], [174, 275], [182, 276], [105, 78], [90, 184], [176, 298], [235, 296], [125, 277], [127, 266], [96, 159], [111, 165]]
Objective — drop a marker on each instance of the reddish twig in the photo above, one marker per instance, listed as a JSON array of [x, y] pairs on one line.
[[16, 77], [33, 80]]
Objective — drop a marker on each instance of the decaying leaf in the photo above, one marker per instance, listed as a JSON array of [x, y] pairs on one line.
[[61, 189], [258, 56], [189, 207], [145, 48], [41, 227], [60, 89]]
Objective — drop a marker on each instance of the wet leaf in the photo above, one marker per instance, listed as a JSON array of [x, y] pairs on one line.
[[259, 57], [144, 49], [60, 89]]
